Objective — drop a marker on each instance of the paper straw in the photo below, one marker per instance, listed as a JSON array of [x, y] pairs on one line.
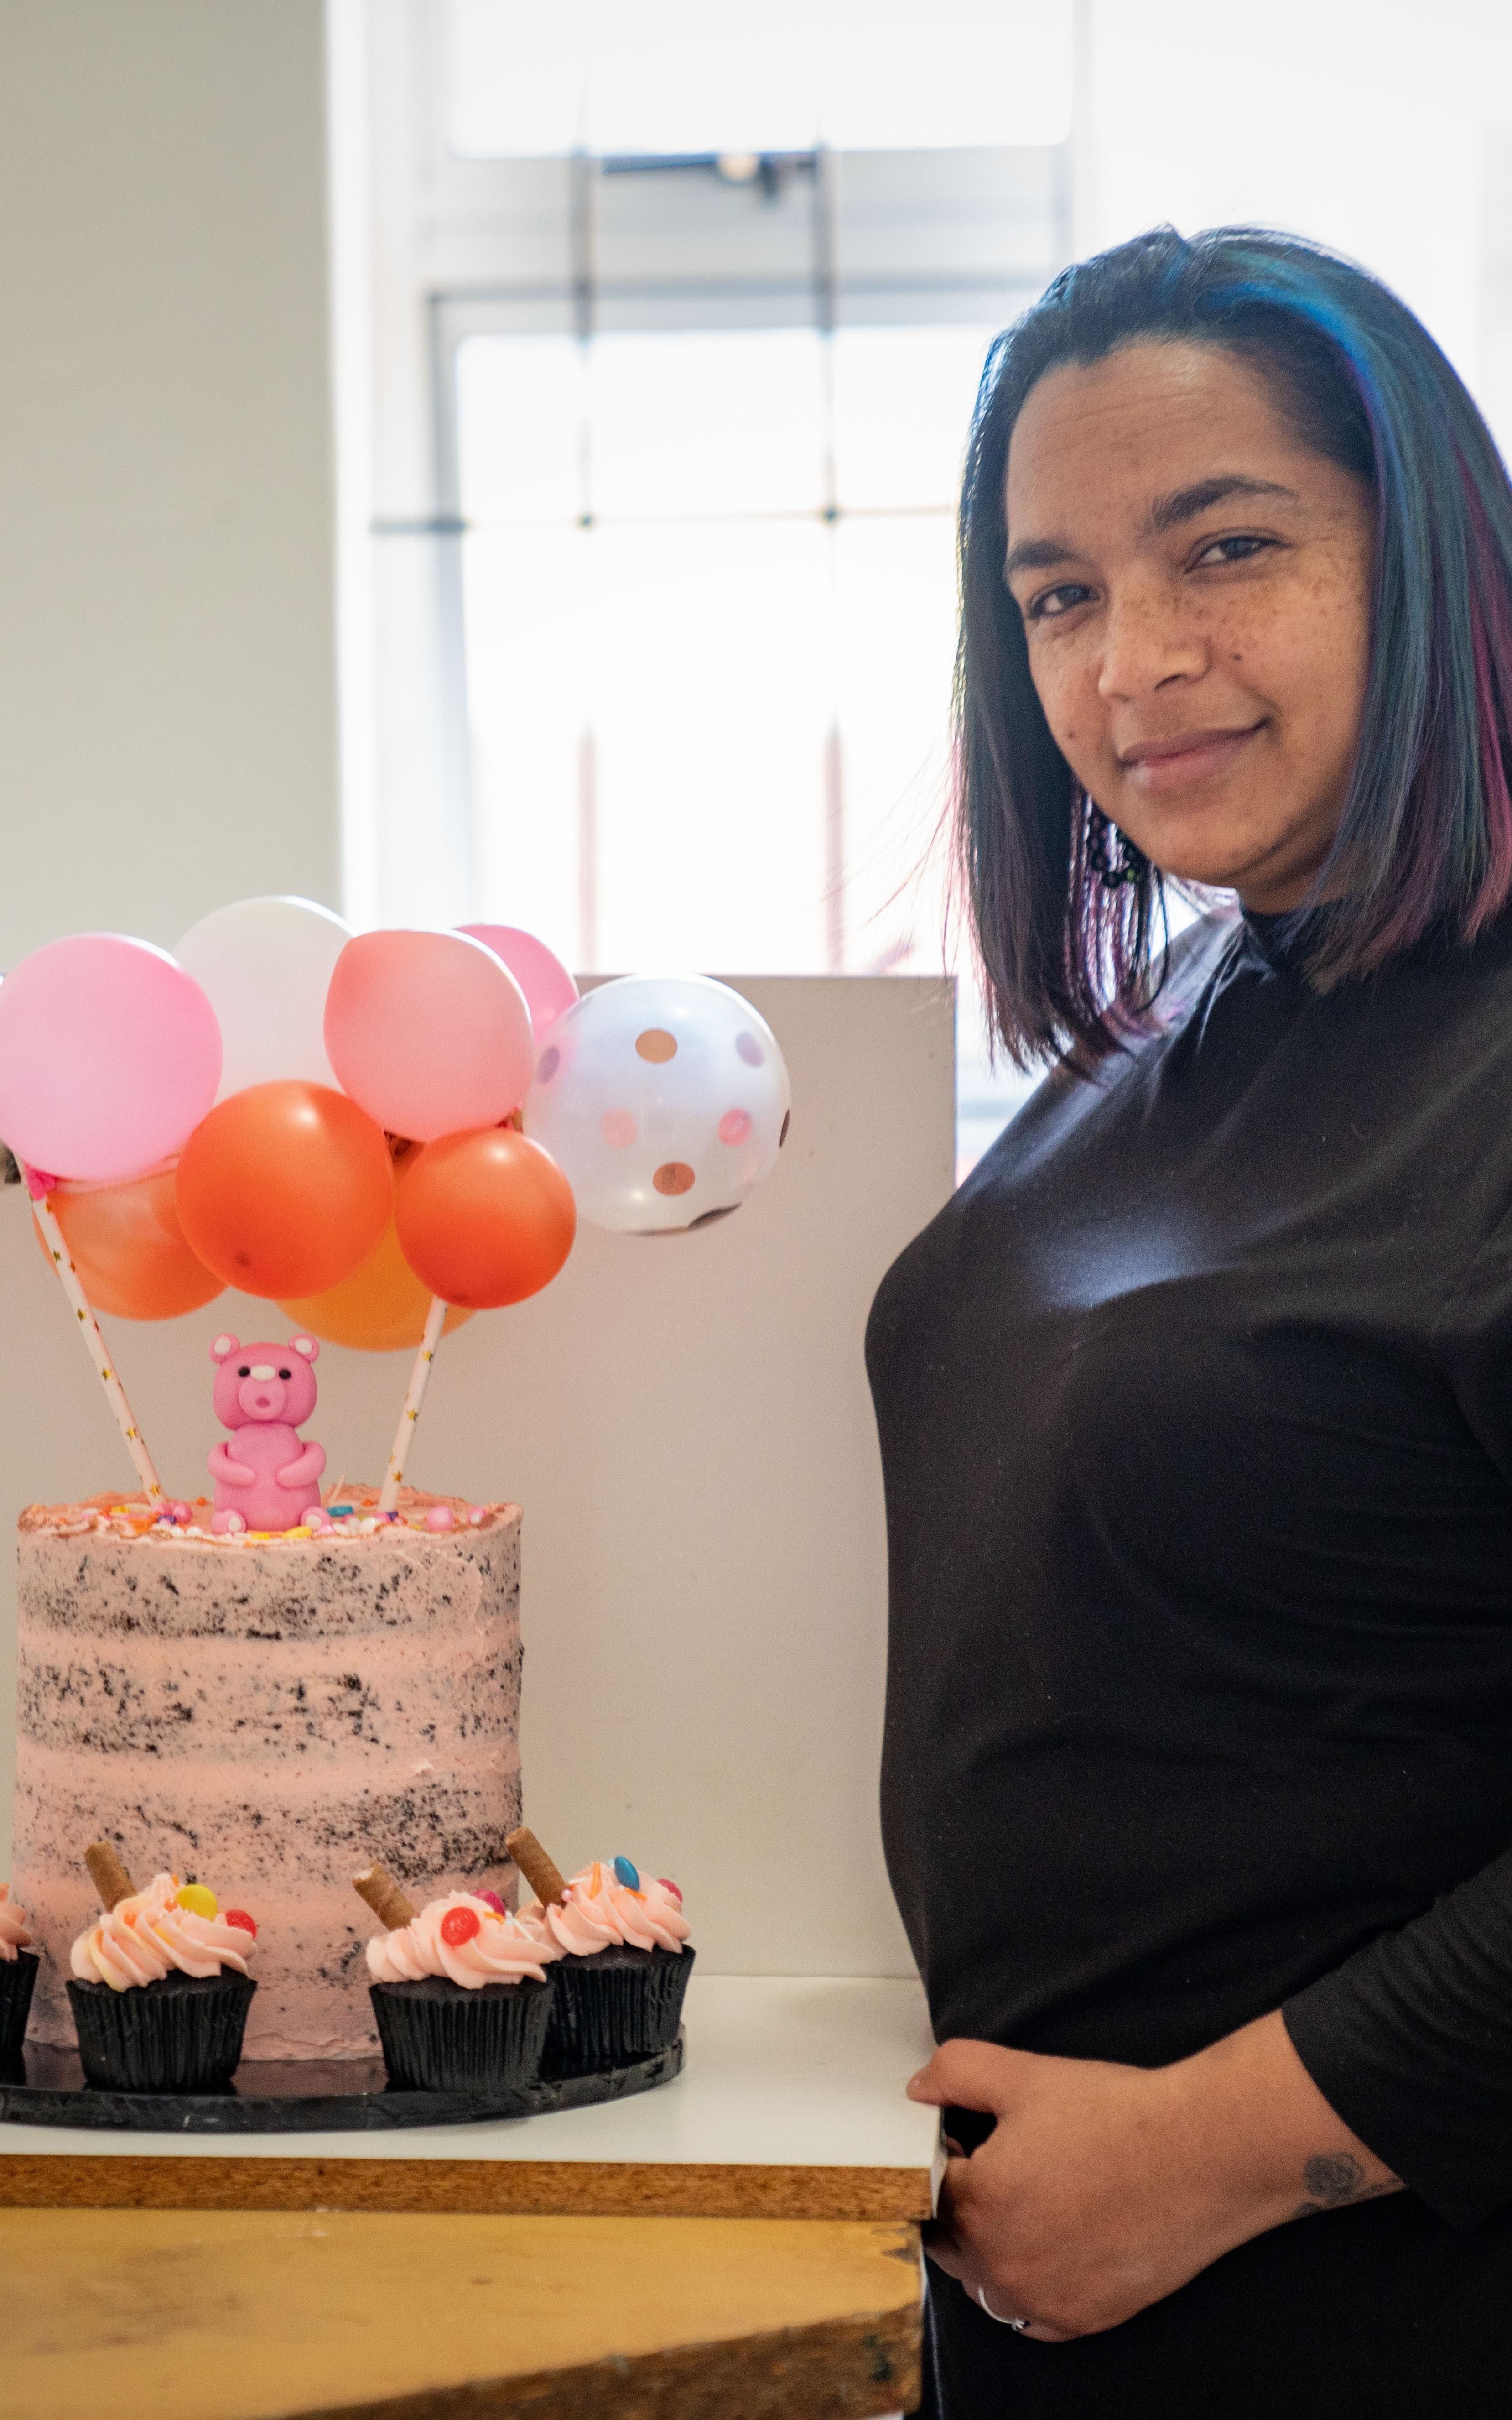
[[419, 1380], [89, 1330]]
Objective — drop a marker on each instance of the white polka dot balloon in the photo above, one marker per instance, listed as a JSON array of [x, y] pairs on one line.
[[664, 1100]]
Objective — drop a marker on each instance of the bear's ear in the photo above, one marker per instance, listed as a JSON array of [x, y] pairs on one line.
[[307, 1346], [224, 1346]]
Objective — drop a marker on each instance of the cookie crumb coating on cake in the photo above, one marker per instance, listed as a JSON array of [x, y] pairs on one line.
[[268, 1714]]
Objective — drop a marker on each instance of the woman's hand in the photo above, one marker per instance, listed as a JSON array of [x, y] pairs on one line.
[[1101, 2189]]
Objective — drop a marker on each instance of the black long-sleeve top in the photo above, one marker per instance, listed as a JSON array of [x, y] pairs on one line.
[[1195, 1413]]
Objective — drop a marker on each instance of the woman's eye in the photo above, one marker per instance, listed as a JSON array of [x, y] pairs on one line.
[[1052, 602], [1231, 549]]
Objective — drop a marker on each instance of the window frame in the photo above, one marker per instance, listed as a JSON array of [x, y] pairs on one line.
[[449, 247]]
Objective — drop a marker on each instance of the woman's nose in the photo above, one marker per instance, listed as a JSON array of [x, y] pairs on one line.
[[1147, 641]]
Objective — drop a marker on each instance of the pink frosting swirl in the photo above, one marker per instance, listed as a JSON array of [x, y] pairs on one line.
[[500, 1951], [600, 1912], [149, 1936], [14, 1933]]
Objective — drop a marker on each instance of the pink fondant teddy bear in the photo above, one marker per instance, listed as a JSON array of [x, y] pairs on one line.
[[267, 1478]]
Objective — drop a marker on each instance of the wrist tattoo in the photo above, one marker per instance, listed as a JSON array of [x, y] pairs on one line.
[[1335, 2179]]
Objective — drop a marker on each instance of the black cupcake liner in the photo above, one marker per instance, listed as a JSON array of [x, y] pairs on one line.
[[616, 2006], [18, 1976], [180, 2034], [439, 2036]]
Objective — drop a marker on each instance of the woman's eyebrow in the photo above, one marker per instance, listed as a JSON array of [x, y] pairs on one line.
[[1038, 554], [1185, 503]]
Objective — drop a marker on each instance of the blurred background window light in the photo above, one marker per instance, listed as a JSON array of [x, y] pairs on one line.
[[680, 316], [627, 76]]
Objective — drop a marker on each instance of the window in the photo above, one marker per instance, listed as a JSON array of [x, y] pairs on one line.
[[674, 318]]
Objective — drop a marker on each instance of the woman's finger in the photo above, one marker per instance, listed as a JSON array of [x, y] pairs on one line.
[[970, 2075], [942, 2248], [952, 2181]]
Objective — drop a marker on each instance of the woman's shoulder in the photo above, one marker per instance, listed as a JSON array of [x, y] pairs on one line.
[[1068, 1116], [1194, 964]]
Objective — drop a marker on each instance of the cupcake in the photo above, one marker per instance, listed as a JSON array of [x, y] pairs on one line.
[[621, 1940], [18, 1973], [159, 1991], [459, 1991]]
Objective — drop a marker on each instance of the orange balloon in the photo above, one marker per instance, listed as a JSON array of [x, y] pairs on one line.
[[379, 1308], [486, 1218], [129, 1248], [285, 1188]]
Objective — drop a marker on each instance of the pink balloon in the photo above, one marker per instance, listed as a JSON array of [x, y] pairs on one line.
[[109, 1057], [429, 1033], [542, 977]]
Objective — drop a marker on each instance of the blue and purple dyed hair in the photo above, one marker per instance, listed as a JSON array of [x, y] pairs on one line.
[[1424, 844]]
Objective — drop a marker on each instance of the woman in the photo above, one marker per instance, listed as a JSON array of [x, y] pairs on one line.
[[1195, 1403]]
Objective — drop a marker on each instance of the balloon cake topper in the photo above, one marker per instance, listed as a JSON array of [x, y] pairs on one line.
[[383, 1133]]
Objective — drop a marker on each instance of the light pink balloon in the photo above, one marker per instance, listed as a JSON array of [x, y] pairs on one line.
[[429, 1033], [109, 1057], [541, 976]]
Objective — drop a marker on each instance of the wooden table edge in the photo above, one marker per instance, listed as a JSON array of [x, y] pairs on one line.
[[851, 2351], [535, 2188], [866, 2365]]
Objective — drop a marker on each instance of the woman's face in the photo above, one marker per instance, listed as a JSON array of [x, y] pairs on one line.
[[1196, 590]]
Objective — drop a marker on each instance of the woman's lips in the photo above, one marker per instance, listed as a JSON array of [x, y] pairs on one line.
[[1158, 767]]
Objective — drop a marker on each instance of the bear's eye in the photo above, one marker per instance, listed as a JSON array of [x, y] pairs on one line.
[[286, 1373], [245, 1370]]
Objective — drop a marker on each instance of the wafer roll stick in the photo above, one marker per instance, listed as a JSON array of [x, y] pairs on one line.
[[384, 1897], [536, 1867], [109, 1876]]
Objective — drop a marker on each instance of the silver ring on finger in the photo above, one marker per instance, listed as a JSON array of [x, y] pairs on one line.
[[1002, 2320]]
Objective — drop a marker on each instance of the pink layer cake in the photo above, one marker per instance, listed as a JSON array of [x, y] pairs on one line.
[[271, 1713]]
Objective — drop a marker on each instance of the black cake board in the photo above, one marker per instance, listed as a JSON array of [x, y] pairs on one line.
[[321, 2096]]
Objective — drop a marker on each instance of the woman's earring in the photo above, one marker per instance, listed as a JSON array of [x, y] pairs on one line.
[[1103, 839]]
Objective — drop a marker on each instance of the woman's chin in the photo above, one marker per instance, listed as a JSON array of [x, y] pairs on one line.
[[1207, 851]]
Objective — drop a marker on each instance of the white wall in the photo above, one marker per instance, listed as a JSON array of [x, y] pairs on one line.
[[687, 1424], [167, 682]]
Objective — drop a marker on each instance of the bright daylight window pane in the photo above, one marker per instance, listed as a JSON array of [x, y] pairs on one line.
[[692, 662], [691, 666], [672, 680], [521, 405], [895, 627], [710, 698], [683, 75], [903, 405], [525, 594], [712, 421]]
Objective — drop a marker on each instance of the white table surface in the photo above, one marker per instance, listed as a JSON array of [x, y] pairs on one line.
[[781, 2071]]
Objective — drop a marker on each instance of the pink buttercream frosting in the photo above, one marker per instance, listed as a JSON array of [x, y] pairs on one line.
[[283, 1709], [15, 1933], [143, 1938], [500, 1951], [600, 1913]]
